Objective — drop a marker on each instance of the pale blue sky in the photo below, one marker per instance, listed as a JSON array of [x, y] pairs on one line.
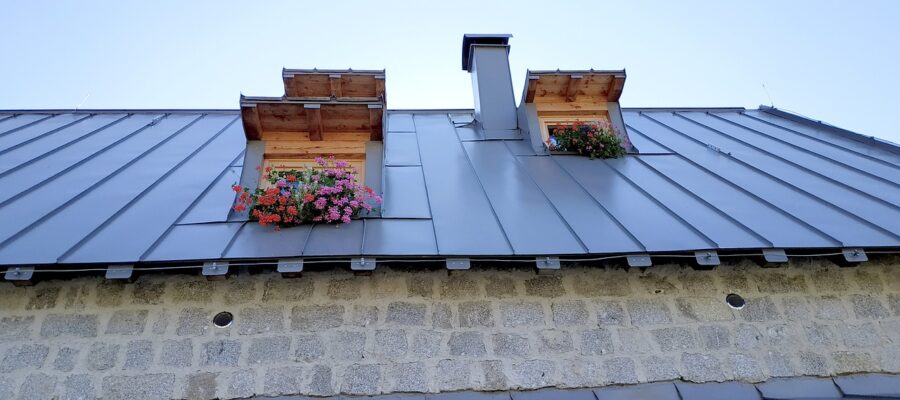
[[838, 61]]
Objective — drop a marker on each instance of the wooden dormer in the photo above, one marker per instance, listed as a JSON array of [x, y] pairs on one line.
[[560, 97], [322, 113]]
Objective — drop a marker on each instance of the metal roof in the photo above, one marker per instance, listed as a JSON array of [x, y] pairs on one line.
[[105, 187], [863, 386]]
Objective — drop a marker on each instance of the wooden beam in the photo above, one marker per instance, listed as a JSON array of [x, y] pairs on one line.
[[336, 90], [616, 84], [250, 119], [375, 116], [314, 121], [379, 88], [571, 92], [532, 88]]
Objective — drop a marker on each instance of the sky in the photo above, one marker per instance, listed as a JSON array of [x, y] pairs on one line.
[[836, 61]]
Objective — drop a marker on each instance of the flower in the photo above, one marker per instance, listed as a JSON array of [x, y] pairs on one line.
[[308, 198], [237, 188]]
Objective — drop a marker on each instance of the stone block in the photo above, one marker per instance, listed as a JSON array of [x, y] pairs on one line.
[[264, 319], [193, 322], [102, 356], [37, 386], [600, 283], [533, 374], [406, 314], [15, 328], [828, 307], [777, 282], [345, 288], [363, 316], [7, 387], [867, 306], [674, 339], [147, 292], [572, 312], [820, 335], [408, 377], [282, 381], [522, 314], [179, 353], [463, 343], [221, 353], [320, 381], [476, 314], [760, 309], [658, 368], [200, 386], [459, 287], [453, 375], [43, 297], [780, 364], [846, 362], [860, 335], [494, 376], [287, 290], [500, 287], [610, 313], [868, 280], [65, 359], [620, 370], [596, 342], [317, 317], [138, 355], [310, 347], [26, 356], [361, 379], [427, 344], [829, 280], [391, 343], [655, 283], [78, 387], [239, 292], [634, 341], [193, 291], [746, 368], [705, 309], [110, 293], [420, 285], [701, 368], [242, 383], [145, 387], [268, 350], [442, 317], [890, 359], [894, 301], [127, 322], [510, 345], [348, 345], [75, 325], [813, 363], [544, 286], [649, 312], [554, 341], [714, 337]]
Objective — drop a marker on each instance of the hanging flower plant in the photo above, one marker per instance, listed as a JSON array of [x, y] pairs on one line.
[[326, 194], [594, 139]]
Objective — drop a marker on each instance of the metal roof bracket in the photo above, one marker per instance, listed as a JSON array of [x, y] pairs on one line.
[[120, 272], [774, 257], [362, 265], [547, 264], [290, 267], [215, 270], [706, 258], [20, 276], [854, 255], [639, 260], [458, 264]]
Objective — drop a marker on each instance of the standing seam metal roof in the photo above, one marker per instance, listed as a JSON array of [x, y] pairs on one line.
[[120, 186]]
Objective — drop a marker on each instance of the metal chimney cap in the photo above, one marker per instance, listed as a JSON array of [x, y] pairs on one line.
[[480, 38]]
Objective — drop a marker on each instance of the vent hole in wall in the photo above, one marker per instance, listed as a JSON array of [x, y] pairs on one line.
[[735, 301], [223, 319]]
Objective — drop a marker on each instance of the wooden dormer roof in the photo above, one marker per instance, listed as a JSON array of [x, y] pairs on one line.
[[571, 86], [334, 84]]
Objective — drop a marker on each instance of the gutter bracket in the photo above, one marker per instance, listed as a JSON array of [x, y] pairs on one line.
[[707, 258], [120, 272], [290, 267], [455, 264], [215, 270], [854, 255], [362, 264], [20, 276], [774, 256], [639, 261], [547, 264]]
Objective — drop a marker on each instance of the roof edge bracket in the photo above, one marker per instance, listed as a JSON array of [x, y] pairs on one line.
[[362, 264], [120, 272], [215, 270], [20, 276], [706, 258], [774, 256], [290, 267], [854, 255], [639, 260], [547, 264], [460, 263]]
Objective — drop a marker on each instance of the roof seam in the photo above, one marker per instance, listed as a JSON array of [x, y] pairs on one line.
[[437, 246], [143, 193], [61, 147], [233, 239], [745, 191], [796, 165], [865, 139], [784, 183], [48, 133], [18, 128]]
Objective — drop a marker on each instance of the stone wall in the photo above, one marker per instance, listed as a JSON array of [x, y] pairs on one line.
[[402, 331]]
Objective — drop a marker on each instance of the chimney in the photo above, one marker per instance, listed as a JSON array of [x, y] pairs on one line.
[[486, 57]]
